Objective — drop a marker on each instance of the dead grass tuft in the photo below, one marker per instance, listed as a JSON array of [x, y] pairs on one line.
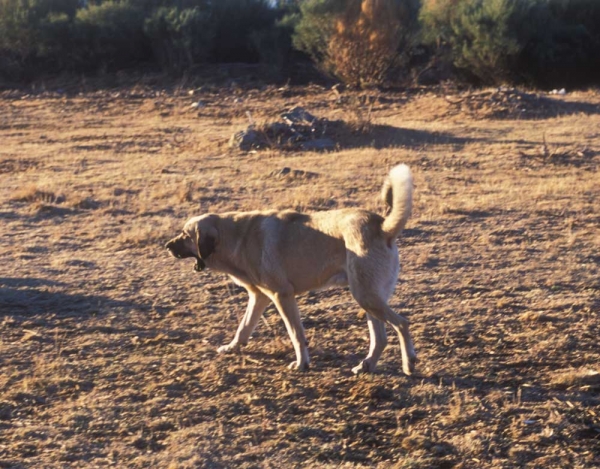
[[536, 316], [33, 194], [415, 442], [359, 111], [582, 377], [556, 155], [186, 193]]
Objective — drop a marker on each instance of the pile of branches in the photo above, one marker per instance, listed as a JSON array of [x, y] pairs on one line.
[[297, 130]]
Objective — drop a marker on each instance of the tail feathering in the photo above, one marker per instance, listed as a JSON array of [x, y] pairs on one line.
[[397, 194]]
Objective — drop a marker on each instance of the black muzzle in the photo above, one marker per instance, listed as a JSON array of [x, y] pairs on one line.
[[200, 265]]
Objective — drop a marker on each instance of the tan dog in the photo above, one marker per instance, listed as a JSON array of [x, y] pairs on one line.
[[277, 255]]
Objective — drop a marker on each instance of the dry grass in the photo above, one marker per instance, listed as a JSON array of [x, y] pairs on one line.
[[108, 345]]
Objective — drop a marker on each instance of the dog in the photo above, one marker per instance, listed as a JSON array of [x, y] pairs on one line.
[[276, 255]]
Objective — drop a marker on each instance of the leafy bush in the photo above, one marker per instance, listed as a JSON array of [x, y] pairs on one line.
[[55, 36], [236, 22], [313, 28], [197, 31], [111, 35], [273, 45], [369, 39], [480, 36], [180, 38], [541, 42], [33, 30], [359, 41], [560, 41]]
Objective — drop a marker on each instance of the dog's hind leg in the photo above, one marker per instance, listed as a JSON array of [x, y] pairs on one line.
[[378, 338], [372, 278], [288, 309], [257, 304], [400, 324], [378, 308]]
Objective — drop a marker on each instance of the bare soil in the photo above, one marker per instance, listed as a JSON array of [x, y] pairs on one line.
[[108, 345]]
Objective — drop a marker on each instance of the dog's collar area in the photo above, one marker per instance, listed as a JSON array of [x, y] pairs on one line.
[[200, 265]]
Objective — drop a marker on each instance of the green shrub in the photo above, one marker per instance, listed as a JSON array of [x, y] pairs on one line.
[[33, 34], [40, 36], [55, 46], [180, 38], [560, 41], [236, 22], [313, 28], [110, 35], [480, 36], [273, 45], [547, 43], [196, 31]]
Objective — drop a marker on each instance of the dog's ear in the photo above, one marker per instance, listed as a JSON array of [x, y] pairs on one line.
[[207, 241]]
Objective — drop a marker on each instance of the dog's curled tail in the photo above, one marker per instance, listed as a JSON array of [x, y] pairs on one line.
[[397, 193]]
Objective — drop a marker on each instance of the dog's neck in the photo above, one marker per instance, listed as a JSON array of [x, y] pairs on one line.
[[229, 261]]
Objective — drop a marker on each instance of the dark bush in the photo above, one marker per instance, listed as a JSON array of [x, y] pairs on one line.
[[313, 27], [55, 47], [110, 35], [273, 45], [560, 42], [551, 43], [33, 35], [180, 38], [479, 36], [547, 43], [42, 36], [236, 22]]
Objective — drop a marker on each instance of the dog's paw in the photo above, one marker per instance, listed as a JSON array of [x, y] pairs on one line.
[[409, 367], [229, 348], [363, 367], [298, 367]]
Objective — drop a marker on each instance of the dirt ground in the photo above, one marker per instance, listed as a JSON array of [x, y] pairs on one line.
[[108, 345]]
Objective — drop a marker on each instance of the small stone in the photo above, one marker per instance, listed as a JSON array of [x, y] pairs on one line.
[[246, 140]]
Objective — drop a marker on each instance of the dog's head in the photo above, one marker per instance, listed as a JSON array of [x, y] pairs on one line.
[[198, 239]]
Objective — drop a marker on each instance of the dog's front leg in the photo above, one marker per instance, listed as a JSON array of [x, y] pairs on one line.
[[257, 303], [288, 309]]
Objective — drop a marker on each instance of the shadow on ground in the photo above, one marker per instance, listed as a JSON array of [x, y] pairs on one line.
[[387, 136], [29, 296]]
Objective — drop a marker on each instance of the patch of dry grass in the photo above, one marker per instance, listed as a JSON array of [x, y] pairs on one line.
[[108, 344], [584, 377], [33, 194]]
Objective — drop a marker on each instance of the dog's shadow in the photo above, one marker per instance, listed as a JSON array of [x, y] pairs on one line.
[[23, 297]]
